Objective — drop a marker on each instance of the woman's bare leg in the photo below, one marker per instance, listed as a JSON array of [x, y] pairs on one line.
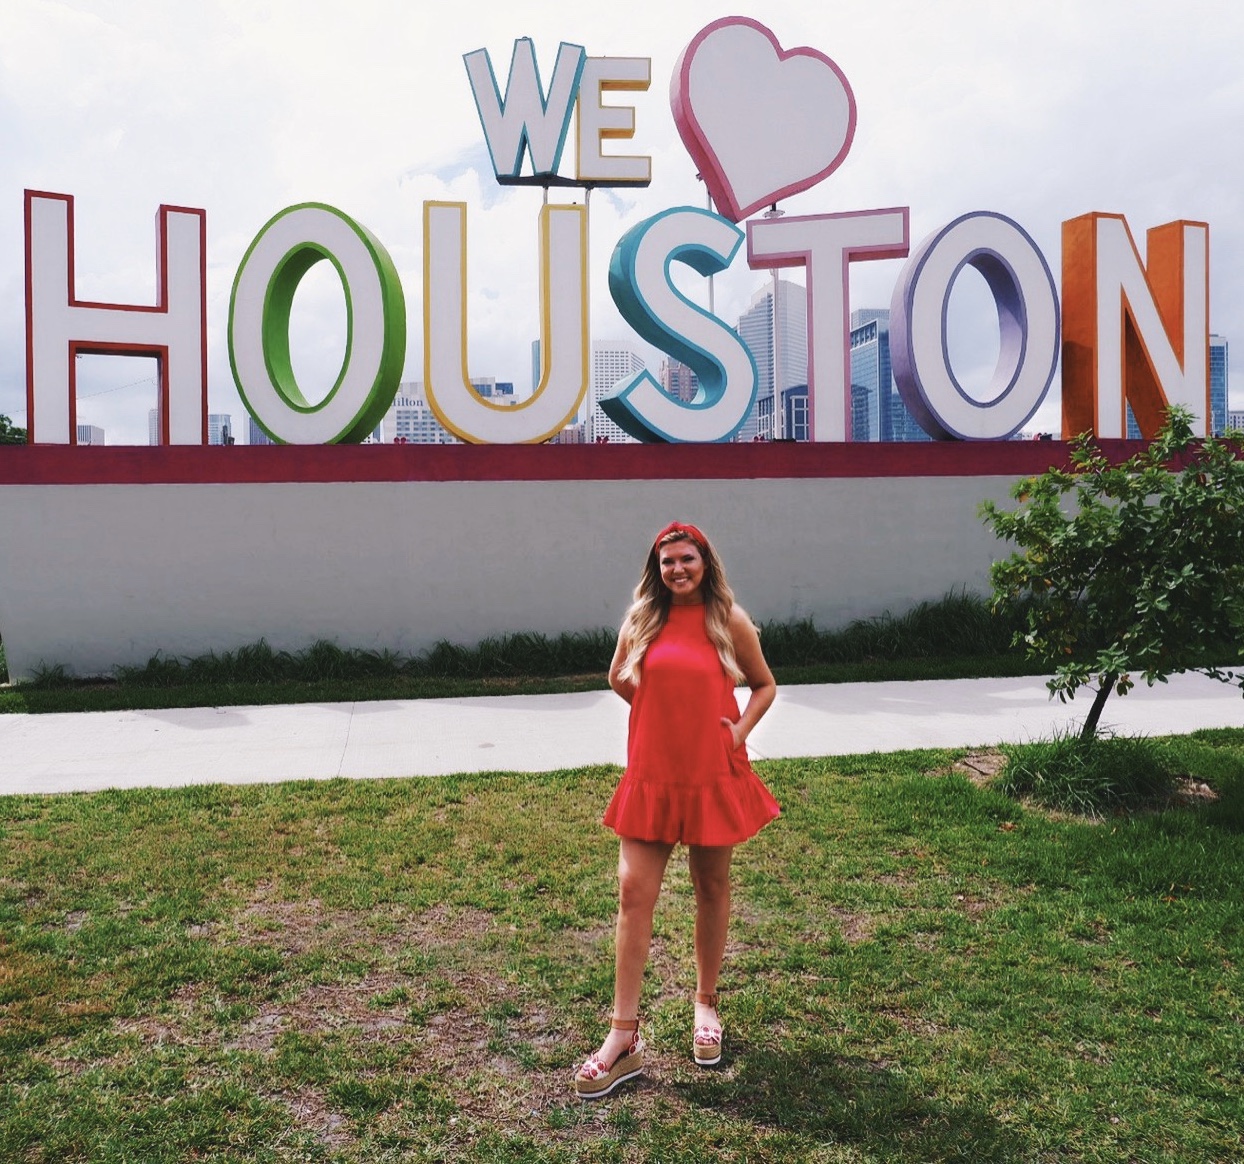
[[710, 875], [641, 867]]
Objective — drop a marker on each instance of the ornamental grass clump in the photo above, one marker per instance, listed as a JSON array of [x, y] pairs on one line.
[[521, 654], [1097, 776], [956, 625]]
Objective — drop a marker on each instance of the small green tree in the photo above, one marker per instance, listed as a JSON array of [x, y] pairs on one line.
[[1134, 568], [10, 434]]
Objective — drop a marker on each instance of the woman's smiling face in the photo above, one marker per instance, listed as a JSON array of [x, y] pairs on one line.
[[682, 571]]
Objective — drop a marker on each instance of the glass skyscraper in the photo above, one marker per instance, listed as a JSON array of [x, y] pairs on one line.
[[219, 428], [755, 329], [1217, 392], [877, 410], [254, 434], [1217, 385], [795, 402]]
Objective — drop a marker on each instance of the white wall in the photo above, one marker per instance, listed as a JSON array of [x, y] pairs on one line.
[[93, 575]]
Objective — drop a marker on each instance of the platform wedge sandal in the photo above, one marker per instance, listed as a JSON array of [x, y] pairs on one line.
[[596, 1078], [706, 1042]]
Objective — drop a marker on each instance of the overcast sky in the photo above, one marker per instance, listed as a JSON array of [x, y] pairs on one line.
[[1039, 110]]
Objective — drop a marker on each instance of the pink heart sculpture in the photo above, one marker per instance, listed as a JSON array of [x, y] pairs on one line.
[[760, 122]]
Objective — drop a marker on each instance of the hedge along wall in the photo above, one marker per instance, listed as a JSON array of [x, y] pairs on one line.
[[108, 555]]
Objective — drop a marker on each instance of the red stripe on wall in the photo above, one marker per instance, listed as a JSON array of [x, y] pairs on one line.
[[227, 465]]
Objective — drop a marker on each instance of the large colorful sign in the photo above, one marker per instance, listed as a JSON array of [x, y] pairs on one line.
[[762, 123]]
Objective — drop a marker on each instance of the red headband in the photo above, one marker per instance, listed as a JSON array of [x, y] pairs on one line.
[[680, 527]]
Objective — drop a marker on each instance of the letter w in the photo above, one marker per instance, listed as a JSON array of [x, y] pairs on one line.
[[524, 118]]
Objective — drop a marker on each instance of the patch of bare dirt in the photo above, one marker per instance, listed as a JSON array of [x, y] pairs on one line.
[[855, 927], [440, 925], [172, 1026], [972, 906], [465, 1024], [902, 879], [981, 767], [296, 928], [915, 1024], [155, 1030], [373, 1006], [310, 1112], [326, 1008], [299, 927]]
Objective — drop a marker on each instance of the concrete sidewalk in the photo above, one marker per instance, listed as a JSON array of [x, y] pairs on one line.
[[534, 733]]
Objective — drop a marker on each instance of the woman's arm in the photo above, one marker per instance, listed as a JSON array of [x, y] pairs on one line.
[[624, 687], [756, 674]]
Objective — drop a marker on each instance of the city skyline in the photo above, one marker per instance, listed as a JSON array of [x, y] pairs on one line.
[[754, 325], [872, 418]]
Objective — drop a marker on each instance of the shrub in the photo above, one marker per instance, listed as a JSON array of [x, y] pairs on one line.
[[957, 624], [1092, 776], [1129, 569]]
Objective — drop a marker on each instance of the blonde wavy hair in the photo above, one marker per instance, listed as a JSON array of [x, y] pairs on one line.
[[650, 607]]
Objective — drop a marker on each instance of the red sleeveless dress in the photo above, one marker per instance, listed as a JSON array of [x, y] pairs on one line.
[[683, 781]]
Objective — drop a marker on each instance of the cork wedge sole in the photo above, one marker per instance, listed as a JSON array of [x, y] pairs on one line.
[[706, 1041], [594, 1079]]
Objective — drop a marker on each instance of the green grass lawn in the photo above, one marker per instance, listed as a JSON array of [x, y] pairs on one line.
[[920, 969]]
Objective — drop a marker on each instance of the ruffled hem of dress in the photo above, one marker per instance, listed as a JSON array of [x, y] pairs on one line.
[[725, 812]]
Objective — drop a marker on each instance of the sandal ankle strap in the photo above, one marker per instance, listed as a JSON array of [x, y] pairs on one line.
[[706, 999], [624, 1024]]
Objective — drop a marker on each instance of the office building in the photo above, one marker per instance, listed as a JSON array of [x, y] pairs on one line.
[[219, 428], [1217, 384], [756, 330], [411, 421], [254, 434], [498, 391], [1218, 419], [90, 434], [572, 434], [612, 360], [1235, 419], [795, 407], [679, 380], [877, 410]]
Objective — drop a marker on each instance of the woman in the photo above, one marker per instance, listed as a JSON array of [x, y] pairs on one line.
[[682, 648]]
